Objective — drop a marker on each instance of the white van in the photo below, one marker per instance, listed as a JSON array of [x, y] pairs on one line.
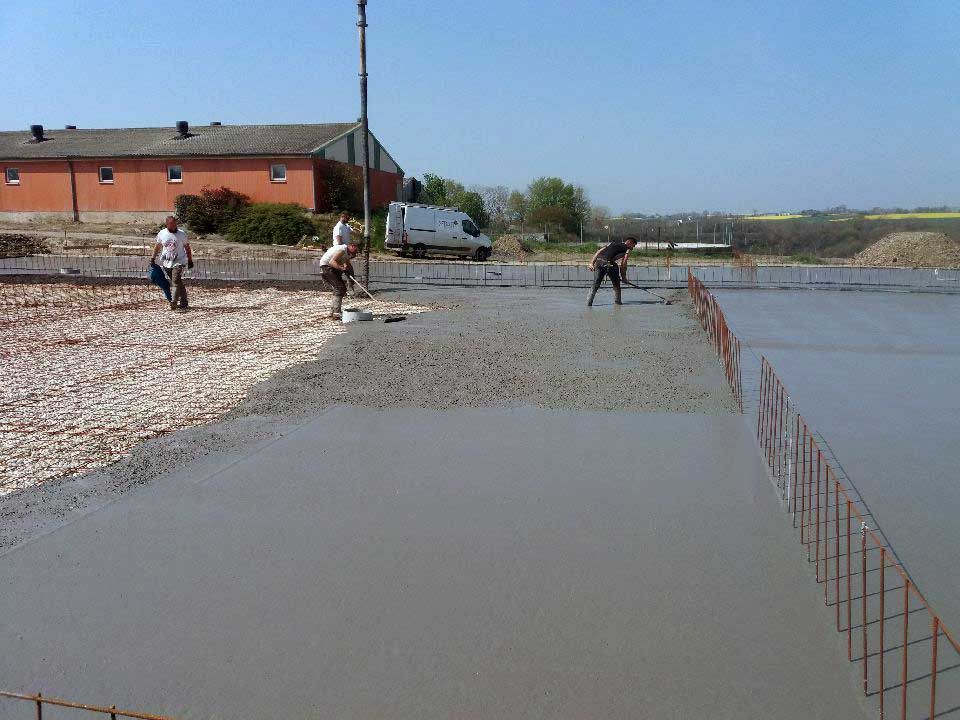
[[418, 229]]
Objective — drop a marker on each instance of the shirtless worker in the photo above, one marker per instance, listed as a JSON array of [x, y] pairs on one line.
[[333, 265], [604, 264]]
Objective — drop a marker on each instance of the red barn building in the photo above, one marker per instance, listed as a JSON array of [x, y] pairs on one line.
[[136, 173]]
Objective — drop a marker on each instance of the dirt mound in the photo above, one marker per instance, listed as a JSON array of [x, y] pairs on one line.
[[509, 247], [912, 249], [12, 245]]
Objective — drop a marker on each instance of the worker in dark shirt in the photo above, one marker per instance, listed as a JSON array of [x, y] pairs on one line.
[[611, 261]]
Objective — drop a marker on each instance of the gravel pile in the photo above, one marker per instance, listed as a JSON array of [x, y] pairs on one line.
[[508, 248], [912, 249]]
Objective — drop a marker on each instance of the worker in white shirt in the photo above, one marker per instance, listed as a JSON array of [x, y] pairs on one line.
[[341, 231], [175, 256], [334, 264]]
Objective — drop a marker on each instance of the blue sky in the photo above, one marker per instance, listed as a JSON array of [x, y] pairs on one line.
[[652, 107]]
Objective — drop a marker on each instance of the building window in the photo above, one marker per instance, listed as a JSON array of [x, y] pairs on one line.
[[351, 150], [278, 173], [174, 173], [106, 175], [13, 176], [376, 155]]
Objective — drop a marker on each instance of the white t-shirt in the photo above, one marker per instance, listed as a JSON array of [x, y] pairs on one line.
[[337, 251], [172, 248], [341, 233]]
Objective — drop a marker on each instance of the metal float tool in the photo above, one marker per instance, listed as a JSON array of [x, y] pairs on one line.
[[660, 297], [362, 288]]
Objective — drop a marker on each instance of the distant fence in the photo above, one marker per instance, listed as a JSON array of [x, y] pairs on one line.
[[301, 267], [724, 341]]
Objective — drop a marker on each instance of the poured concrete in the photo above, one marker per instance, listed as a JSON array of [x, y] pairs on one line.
[[876, 375], [433, 556], [488, 563]]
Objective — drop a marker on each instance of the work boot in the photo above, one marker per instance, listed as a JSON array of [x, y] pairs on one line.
[[590, 300], [616, 296]]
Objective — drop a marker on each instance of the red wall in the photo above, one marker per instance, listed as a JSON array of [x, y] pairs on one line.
[[141, 184], [44, 187]]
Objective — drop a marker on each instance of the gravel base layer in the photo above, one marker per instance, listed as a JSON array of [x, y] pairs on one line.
[[478, 348]]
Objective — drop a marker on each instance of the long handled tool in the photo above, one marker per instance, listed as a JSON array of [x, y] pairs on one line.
[[362, 288], [661, 297]]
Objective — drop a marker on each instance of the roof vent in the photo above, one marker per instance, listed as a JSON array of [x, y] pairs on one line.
[[37, 131], [183, 128], [216, 123], [70, 127]]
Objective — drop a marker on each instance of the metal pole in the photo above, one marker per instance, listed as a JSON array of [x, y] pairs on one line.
[[362, 27]]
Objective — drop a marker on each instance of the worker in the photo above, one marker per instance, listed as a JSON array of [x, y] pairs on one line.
[[175, 256], [605, 264], [334, 264], [341, 231]]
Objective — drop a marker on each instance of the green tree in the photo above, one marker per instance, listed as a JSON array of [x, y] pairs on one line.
[[438, 190], [568, 204], [434, 191], [517, 207], [472, 204]]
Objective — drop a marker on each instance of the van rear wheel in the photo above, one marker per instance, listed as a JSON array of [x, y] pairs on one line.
[[419, 251], [481, 254]]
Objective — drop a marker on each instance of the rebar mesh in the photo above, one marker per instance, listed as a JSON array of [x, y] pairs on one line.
[[91, 370]]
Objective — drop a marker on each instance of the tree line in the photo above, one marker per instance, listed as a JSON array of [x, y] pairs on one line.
[[546, 201]]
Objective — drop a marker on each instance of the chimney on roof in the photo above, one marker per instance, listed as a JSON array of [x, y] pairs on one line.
[[183, 128], [37, 131], [70, 127], [216, 123]]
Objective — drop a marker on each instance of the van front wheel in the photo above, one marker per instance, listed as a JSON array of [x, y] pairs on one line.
[[481, 254]]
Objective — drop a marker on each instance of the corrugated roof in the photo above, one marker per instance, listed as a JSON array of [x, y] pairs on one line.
[[204, 141]]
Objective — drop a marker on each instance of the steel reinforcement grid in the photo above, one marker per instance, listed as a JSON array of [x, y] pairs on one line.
[[38, 701], [300, 266], [724, 341], [863, 581]]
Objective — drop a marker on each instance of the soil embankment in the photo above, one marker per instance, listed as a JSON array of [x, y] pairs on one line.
[[912, 249]]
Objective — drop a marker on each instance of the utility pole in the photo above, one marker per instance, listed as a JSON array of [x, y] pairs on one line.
[[362, 27]]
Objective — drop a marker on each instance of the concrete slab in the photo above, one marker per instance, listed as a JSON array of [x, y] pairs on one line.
[[508, 562], [875, 374]]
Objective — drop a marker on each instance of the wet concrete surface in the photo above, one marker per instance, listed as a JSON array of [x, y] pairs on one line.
[[469, 563], [495, 516], [876, 375]]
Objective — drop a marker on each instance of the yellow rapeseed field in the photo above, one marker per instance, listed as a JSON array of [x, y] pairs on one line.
[[914, 216]]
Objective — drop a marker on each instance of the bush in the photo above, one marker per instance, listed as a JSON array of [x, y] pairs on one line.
[[212, 210], [271, 223], [183, 207], [343, 190]]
